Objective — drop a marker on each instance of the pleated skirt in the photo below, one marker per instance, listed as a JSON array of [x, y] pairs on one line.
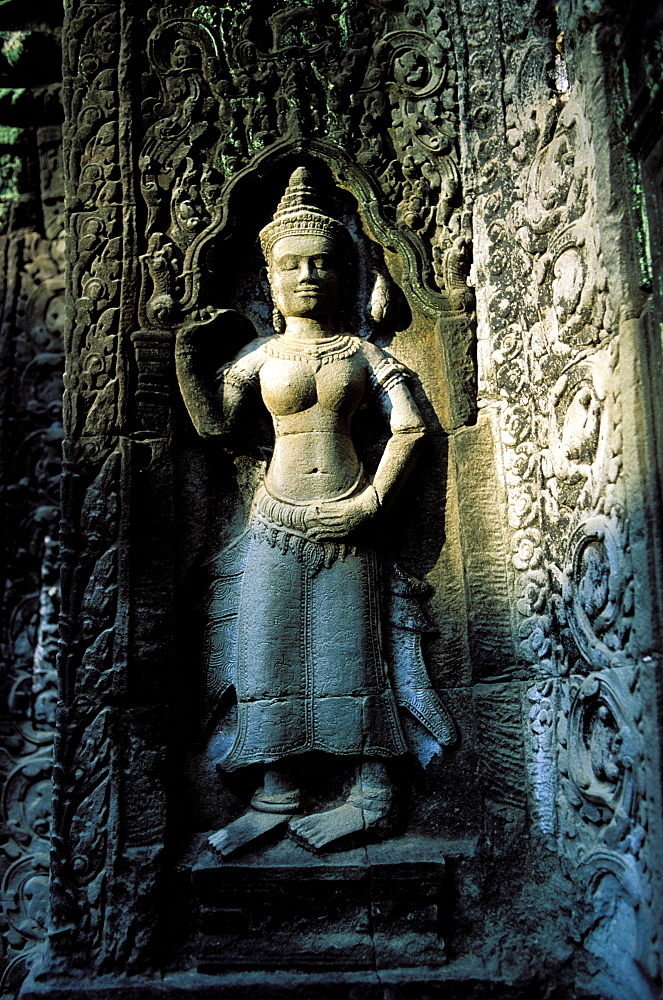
[[308, 667]]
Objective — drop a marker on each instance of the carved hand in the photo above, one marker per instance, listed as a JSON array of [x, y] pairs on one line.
[[337, 518]]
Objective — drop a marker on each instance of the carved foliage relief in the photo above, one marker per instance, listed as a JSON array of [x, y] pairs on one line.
[[31, 363], [94, 194], [377, 90], [91, 652], [550, 330], [372, 86]]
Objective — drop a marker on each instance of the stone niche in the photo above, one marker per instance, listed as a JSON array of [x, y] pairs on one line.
[[472, 155], [393, 888]]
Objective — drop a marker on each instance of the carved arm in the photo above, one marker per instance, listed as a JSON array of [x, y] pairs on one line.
[[210, 400], [337, 518], [204, 408], [407, 432]]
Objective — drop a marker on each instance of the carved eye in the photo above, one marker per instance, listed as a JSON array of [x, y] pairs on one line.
[[287, 263]]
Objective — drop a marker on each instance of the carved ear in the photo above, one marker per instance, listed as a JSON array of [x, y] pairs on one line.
[[219, 337]]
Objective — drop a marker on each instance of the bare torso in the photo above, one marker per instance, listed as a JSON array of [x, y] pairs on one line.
[[314, 456]]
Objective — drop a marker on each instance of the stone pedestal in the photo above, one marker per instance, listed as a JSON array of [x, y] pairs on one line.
[[283, 923], [282, 908]]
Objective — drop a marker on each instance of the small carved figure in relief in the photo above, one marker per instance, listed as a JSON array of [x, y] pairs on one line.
[[296, 614]]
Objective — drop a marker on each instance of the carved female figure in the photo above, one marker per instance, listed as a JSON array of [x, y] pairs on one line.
[[300, 642]]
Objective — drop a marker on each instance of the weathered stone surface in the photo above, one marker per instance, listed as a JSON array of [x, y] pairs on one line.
[[379, 904], [31, 363], [498, 166], [482, 520], [499, 745]]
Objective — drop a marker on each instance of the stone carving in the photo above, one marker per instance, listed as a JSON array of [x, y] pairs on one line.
[[550, 362], [294, 615], [31, 363], [601, 752], [610, 909], [605, 805], [99, 250], [96, 220], [392, 101], [474, 154], [551, 324], [593, 588], [542, 701], [88, 678]]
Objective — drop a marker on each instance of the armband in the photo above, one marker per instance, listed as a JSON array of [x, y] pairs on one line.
[[235, 375], [388, 373]]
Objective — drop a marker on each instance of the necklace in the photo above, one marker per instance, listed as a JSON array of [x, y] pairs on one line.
[[316, 352]]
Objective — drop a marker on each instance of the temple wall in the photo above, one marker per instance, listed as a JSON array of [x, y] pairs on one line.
[[498, 165], [31, 363]]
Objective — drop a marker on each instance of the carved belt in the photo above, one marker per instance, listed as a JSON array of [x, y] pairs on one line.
[[282, 525]]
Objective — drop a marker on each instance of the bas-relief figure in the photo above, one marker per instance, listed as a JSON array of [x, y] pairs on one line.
[[297, 619]]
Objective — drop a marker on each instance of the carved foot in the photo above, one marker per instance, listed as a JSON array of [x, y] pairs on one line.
[[248, 829], [366, 809], [271, 806]]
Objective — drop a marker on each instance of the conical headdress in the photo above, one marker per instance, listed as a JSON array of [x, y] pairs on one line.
[[299, 214]]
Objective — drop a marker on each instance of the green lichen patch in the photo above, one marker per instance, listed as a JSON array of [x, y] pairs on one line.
[[12, 45], [12, 93], [9, 133], [10, 169]]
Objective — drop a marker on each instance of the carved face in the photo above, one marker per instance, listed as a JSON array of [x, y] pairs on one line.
[[304, 275], [54, 318], [568, 282]]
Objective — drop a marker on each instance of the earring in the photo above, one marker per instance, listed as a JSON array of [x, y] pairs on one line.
[[278, 320]]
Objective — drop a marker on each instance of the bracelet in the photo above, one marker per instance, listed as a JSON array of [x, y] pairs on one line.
[[374, 496]]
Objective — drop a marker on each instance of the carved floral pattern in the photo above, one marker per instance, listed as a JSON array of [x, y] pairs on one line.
[[95, 197], [94, 409], [549, 362], [31, 363], [379, 85]]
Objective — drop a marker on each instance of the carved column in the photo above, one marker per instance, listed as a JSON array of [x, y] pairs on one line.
[[565, 371], [116, 654]]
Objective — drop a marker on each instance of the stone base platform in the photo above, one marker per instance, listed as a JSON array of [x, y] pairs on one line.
[[466, 982], [375, 907], [280, 922]]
